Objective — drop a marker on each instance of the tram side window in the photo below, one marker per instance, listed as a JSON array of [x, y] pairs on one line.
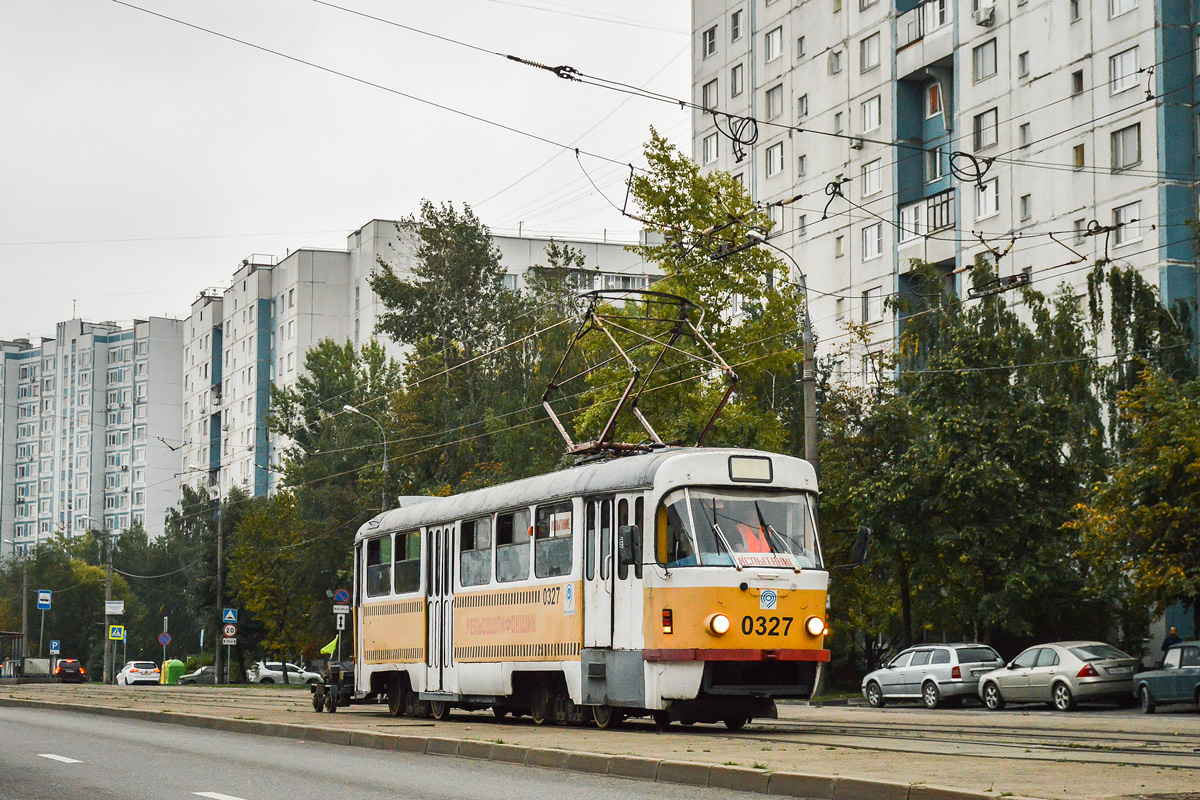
[[512, 546], [475, 552], [552, 541], [639, 519], [589, 557], [379, 566], [622, 521], [408, 562]]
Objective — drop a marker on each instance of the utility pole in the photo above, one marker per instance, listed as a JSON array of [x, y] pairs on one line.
[[219, 663], [108, 651], [24, 607]]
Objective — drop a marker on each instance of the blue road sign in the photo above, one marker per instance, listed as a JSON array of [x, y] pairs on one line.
[[164, 639], [116, 632], [43, 603], [229, 615], [55, 647], [341, 597]]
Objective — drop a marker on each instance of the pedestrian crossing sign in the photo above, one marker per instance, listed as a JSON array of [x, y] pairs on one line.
[[116, 632]]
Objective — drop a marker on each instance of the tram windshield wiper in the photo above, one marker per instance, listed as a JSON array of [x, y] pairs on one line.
[[721, 536], [773, 534]]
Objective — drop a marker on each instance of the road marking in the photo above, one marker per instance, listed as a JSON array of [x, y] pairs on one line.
[[216, 796], [63, 759]]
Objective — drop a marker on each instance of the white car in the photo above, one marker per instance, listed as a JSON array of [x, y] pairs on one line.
[[139, 672], [272, 672]]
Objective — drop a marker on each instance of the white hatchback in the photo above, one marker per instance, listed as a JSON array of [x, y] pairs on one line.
[[272, 672], [139, 672]]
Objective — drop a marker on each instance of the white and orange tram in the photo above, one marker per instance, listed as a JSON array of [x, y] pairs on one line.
[[685, 583]]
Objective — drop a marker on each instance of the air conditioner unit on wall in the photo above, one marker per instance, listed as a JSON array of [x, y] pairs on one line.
[[985, 13]]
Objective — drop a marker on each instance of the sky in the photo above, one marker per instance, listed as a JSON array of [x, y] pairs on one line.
[[141, 160]]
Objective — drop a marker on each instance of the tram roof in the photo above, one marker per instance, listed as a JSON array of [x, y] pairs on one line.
[[612, 475]]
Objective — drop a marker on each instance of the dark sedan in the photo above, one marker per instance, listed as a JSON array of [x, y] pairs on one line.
[[202, 675], [69, 670], [1176, 681]]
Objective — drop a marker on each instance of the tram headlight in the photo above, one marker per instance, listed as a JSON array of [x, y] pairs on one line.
[[815, 626], [717, 624]]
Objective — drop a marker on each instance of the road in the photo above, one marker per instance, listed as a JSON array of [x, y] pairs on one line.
[[57, 755]]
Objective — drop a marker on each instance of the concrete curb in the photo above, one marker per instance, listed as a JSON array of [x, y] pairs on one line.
[[690, 773]]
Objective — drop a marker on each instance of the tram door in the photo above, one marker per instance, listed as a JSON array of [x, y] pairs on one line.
[[439, 613], [627, 577], [597, 572]]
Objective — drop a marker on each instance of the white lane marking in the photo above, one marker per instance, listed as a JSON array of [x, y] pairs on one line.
[[63, 759], [216, 796]]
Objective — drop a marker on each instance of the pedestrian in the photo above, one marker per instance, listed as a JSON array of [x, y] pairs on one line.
[[1172, 638]]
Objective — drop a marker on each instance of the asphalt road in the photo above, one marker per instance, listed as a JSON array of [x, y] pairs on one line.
[[55, 755]]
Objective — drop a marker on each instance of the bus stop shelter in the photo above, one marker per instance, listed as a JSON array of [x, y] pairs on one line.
[[12, 654]]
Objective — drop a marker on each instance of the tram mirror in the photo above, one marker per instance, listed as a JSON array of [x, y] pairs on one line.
[[862, 542], [627, 539]]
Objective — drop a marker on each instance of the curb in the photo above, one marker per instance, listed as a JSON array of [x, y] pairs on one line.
[[689, 773]]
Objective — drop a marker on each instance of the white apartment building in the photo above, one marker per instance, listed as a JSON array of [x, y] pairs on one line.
[[1078, 113], [256, 332], [88, 429]]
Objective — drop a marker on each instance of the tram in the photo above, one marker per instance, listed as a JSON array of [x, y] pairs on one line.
[[685, 584]]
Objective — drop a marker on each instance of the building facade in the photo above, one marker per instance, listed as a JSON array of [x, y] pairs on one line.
[[242, 339], [89, 429], [1053, 132]]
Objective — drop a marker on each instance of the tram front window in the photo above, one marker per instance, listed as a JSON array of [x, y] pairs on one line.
[[706, 527]]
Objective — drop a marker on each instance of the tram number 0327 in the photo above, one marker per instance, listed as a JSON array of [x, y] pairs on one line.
[[766, 626]]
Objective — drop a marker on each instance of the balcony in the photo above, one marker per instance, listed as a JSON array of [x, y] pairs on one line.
[[920, 221], [923, 35]]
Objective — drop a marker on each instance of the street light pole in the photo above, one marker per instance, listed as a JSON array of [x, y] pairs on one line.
[[383, 435], [219, 665]]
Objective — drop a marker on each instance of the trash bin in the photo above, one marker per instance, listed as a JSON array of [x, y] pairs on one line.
[[173, 670]]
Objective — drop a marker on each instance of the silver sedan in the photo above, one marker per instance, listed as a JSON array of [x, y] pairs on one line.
[[1060, 673]]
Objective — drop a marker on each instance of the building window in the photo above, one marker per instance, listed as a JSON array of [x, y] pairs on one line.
[[933, 99], [709, 41], [1026, 135], [802, 106], [1023, 65], [837, 6], [710, 148], [802, 225], [800, 47], [1077, 82], [871, 116], [1128, 218], [835, 62], [735, 26], [868, 54], [837, 122], [987, 199], [801, 166], [1122, 70], [872, 305], [839, 247], [774, 101], [1080, 231], [774, 159], [872, 241], [1127, 147], [983, 60], [934, 165], [1077, 156], [1075, 12], [1118, 7], [1026, 206], [708, 95], [912, 222], [985, 129], [773, 44], [863, 5], [872, 178], [736, 81]]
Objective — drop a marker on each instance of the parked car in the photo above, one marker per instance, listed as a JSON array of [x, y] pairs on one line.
[[933, 674], [1176, 681], [272, 672], [202, 675], [69, 670], [1061, 673], [138, 672]]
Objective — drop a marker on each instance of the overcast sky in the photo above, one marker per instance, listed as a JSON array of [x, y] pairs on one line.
[[142, 160]]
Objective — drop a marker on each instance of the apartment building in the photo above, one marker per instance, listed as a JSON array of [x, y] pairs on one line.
[[1054, 132], [88, 429], [242, 339]]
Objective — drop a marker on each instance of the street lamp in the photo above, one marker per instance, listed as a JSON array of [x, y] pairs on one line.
[[383, 435], [218, 662]]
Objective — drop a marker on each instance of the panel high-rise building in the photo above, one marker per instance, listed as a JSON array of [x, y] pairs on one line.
[[88, 429], [1064, 128]]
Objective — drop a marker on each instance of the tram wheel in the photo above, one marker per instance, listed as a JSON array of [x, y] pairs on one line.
[[875, 695], [606, 717], [930, 695], [735, 723], [1148, 704], [662, 720], [1063, 699], [541, 709], [331, 702], [499, 712], [318, 701], [395, 697], [992, 697], [439, 709]]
